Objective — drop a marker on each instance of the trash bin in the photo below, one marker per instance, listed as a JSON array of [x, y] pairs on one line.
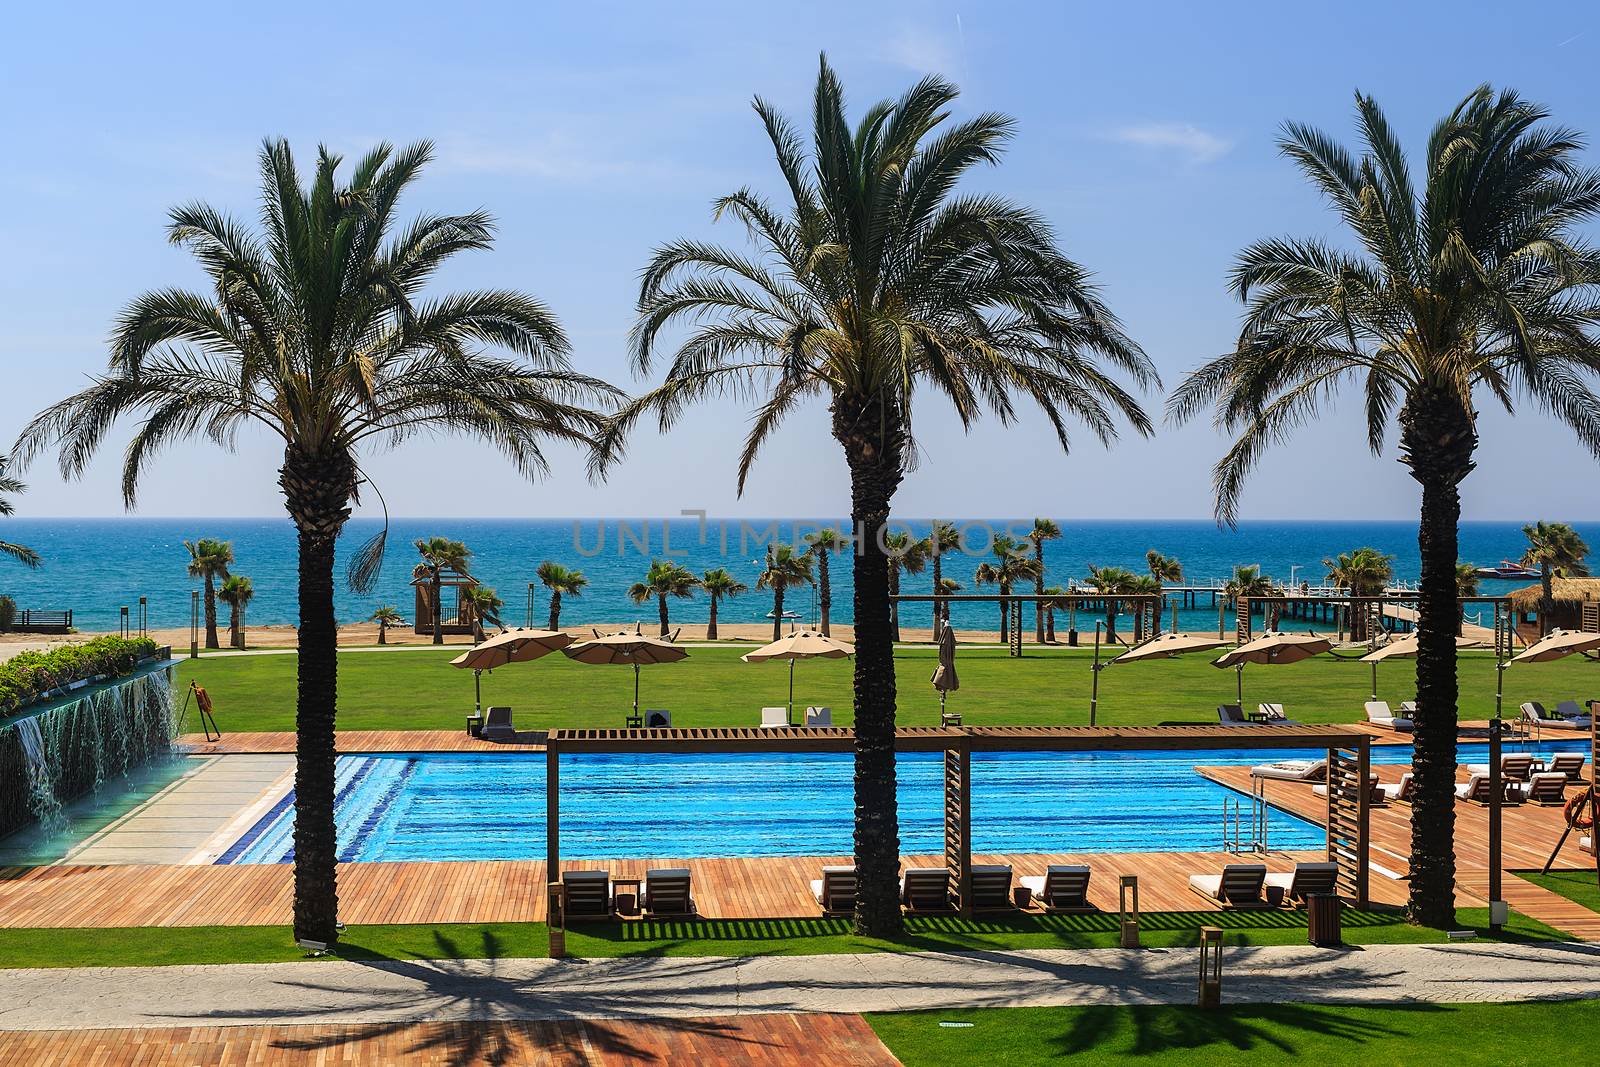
[[1322, 920]]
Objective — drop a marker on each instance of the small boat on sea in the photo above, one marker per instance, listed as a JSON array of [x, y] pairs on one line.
[[1508, 570]]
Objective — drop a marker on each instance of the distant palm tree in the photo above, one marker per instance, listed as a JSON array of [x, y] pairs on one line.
[[318, 326], [561, 582], [944, 537], [482, 606], [1466, 586], [1146, 585], [786, 569], [907, 555], [872, 285], [439, 554], [386, 616], [1163, 569], [1009, 566], [1050, 609], [1043, 530], [664, 579], [1557, 550], [718, 585], [1479, 279], [1363, 572], [824, 543], [1108, 582], [944, 587], [209, 560], [236, 592], [1246, 583], [21, 553]]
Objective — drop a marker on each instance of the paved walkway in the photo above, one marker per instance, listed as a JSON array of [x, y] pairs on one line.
[[538, 989]]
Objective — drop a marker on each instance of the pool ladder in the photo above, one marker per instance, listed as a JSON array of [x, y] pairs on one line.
[[1244, 820]]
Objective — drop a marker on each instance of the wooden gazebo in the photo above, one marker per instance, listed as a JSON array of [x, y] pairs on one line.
[[456, 614]]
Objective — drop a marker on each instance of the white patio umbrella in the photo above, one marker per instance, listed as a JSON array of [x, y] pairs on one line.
[[630, 648], [509, 646], [802, 644], [1271, 647]]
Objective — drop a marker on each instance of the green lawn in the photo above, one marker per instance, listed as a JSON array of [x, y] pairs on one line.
[[713, 687], [1457, 1035], [162, 946], [1578, 886]]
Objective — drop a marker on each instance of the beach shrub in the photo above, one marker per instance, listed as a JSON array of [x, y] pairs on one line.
[[8, 613], [28, 675]]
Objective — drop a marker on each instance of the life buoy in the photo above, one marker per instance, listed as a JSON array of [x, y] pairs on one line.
[[1574, 811]]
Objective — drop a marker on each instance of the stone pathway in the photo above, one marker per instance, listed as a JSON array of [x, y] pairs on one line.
[[640, 988]]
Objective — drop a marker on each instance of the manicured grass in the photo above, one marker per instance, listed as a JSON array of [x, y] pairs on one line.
[[1460, 1035], [162, 946], [418, 690], [1577, 886]]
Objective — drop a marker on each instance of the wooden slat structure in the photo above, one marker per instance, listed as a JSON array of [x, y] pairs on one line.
[[1347, 819], [958, 822]]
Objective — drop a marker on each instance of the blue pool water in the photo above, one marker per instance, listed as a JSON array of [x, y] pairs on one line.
[[472, 806]]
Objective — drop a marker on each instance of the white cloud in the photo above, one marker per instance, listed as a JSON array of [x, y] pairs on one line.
[[926, 53], [1188, 140]]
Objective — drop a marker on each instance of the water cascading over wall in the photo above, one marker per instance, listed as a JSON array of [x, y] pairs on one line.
[[64, 752]]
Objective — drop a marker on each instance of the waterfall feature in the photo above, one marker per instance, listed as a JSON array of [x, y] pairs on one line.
[[67, 751]]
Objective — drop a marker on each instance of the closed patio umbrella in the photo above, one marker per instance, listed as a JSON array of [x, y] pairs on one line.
[[802, 644], [1271, 647], [1404, 647], [944, 675], [629, 648], [509, 646]]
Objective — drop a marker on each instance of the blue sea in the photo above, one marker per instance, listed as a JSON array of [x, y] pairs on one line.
[[95, 566]]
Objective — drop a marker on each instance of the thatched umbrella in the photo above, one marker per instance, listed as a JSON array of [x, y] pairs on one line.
[[803, 644], [632, 649], [509, 646], [1271, 647]]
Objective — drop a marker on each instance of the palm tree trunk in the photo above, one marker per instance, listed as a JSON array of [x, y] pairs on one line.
[[383, 633], [236, 627], [938, 575], [894, 605], [1050, 626], [436, 594], [824, 589], [1547, 597], [1005, 614], [211, 614], [1038, 589], [555, 609], [317, 493], [1437, 443], [777, 611], [711, 627], [661, 610]]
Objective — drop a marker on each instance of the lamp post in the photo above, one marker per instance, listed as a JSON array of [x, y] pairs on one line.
[[1094, 686], [1128, 907], [1210, 991], [144, 617]]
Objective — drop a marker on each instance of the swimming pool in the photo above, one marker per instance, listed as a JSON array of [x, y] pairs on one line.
[[490, 806]]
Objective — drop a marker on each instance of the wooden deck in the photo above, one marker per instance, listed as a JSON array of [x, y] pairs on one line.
[[760, 1040], [740, 888]]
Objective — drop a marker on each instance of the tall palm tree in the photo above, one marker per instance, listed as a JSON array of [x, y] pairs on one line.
[[785, 569], [439, 554], [1557, 550], [208, 561], [824, 543], [561, 581], [1163, 569], [236, 592], [907, 555], [1363, 572], [317, 329], [1108, 582], [664, 579], [1043, 530], [482, 606], [872, 281], [719, 584], [1010, 565], [1475, 280], [21, 553], [942, 538], [386, 616]]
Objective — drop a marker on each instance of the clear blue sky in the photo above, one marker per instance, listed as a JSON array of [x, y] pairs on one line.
[[595, 131]]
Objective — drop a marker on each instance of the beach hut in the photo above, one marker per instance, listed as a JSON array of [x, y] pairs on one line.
[[1576, 603]]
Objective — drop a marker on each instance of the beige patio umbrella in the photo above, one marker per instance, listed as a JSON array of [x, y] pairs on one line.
[[1271, 647], [944, 675], [508, 646], [1405, 647], [801, 644], [1557, 644], [1164, 646], [629, 648]]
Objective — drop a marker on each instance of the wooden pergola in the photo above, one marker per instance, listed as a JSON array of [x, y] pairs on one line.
[[1348, 754]]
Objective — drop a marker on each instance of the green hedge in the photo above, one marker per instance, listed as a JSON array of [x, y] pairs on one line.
[[28, 675]]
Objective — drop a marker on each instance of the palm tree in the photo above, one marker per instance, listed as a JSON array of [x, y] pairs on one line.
[[943, 537], [872, 282], [824, 543], [1108, 582], [1364, 572], [1145, 585], [1163, 569], [439, 554], [561, 582], [718, 584], [1043, 530], [1050, 609], [21, 553], [786, 569], [1009, 566], [1557, 550], [664, 579], [236, 592], [1246, 583], [1466, 586], [317, 328], [1479, 279], [208, 560], [482, 605], [906, 556], [944, 587], [386, 616]]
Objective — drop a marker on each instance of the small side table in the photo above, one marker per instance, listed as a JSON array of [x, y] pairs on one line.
[[1022, 896], [627, 904], [475, 724]]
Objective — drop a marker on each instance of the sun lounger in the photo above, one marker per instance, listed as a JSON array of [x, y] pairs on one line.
[[666, 892], [925, 889], [774, 718], [1063, 887], [1306, 879], [1228, 714], [1408, 709], [819, 716], [1271, 712], [1476, 790], [1238, 886], [1514, 766], [1547, 788], [656, 719], [1296, 770], [1402, 793], [991, 887], [1570, 709], [1378, 714], [1375, 791], [836, 890], [497, 725], [588, 894], [1567, 763]]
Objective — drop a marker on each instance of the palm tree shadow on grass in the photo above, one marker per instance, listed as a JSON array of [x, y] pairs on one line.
[[1145, 1029]]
